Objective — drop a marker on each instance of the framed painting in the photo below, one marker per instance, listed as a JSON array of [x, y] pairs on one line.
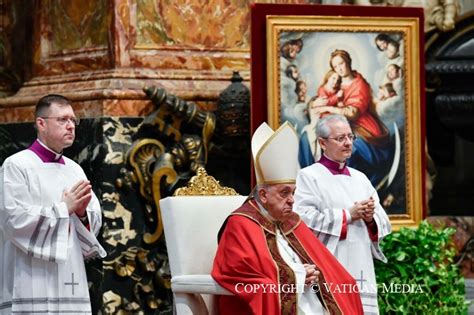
[[326, 60]]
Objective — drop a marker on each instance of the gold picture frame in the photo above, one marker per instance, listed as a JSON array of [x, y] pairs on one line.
[[400, 181]]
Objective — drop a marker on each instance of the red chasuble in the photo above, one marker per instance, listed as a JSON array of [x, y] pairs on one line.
[[248, 264]]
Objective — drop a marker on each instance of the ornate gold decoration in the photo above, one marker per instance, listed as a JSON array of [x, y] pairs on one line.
[[115, 304], [111, 302], [141, 157], [149, 273], [163, 173], [178, 147], [158, 164], [147, 157], [123, 233], [172, 112], [203, 184], [440, 15]]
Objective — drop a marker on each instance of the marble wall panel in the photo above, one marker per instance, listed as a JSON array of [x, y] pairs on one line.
[[143, 33], [122, 104], [13, 50], [70, 36], [17, 114], [211, 25], [77, 24], [102, 50]]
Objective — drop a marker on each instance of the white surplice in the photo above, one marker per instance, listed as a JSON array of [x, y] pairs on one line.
[[321, 199], [42, 248], [307, 300]]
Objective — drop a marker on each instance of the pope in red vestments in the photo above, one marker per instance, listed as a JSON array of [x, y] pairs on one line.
[[258, 240]]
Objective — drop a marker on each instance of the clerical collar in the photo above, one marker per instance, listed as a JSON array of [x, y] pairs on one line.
[[46, 154], [336, 168]]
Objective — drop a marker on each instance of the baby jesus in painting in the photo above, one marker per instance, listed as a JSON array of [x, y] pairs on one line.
[[331, 89]]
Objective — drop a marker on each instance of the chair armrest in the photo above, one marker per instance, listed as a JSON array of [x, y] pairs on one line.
[[200, 284]]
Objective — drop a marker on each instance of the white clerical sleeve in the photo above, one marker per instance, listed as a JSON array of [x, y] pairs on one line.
[[325, 222], [90, 246], [40, 231], [383, 227]]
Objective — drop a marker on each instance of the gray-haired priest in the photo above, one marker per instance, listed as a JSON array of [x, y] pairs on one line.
[[267, 256], [342, 207]]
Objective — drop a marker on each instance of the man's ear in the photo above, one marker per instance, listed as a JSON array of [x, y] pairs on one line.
[[39, 123], [322, 143], [262, 195]]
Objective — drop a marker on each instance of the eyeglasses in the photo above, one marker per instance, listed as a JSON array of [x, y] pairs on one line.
[[342, 138], [64, 120]]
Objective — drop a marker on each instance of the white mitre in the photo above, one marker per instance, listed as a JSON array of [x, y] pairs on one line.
[[275, 154]]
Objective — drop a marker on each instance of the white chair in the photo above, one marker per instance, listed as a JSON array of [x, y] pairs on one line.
[[191, 224]]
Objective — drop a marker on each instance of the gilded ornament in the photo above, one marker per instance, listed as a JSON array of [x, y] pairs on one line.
[[203, 184]]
